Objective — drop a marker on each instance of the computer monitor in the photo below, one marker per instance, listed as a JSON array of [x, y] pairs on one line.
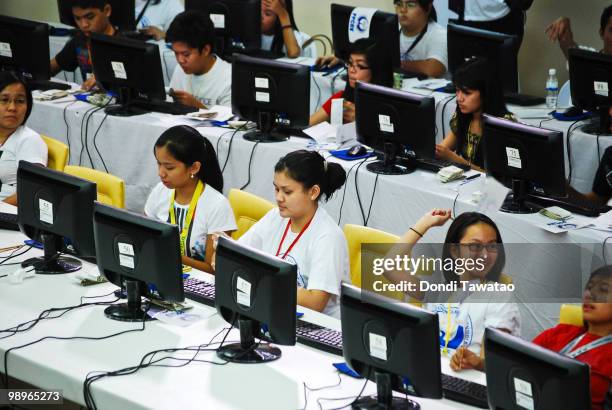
[[257, 292], [393, 122], [139, 254], [237, 23], [527, 159], [55, 209], [274, 94], [122, 16], [522, 375], [590, 76], [499, 49], [130, 69], [382, 31], [24, 48], [393, 344]]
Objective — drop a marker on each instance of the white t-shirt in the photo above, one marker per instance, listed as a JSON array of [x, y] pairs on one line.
[[308, 51], [24, 144], [211, 88], [158, 15], [213, 214], [321, 254], [485, 10], [432, 45]]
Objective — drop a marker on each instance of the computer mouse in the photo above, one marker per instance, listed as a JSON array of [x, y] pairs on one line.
[[572, 112], [356, 151]]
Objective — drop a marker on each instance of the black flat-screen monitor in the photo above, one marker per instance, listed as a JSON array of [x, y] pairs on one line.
[[590, 76], [274, 94], [499, 49], [393, 344], [382, 31], [56, 210], [237, 23], [139, 254], [393, 122], [130, 69], [528, 160], [522, 375], [123, 15], [258, 293]]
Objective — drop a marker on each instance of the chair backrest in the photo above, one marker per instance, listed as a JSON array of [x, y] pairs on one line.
[[248, 209], [357, 235], [58, 153], [111, 189], [571, 315]]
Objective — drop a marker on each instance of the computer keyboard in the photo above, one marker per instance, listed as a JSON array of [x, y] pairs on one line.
[[47, 85], [8, 221], [574, 205], [464, 391], [319, 337], [524, 100], [165, 107], [199, 291], [435, 165]]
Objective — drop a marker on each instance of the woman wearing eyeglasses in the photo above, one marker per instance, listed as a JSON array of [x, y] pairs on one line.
[[361, 67], [463, 315], [422, 40], [17, 142]]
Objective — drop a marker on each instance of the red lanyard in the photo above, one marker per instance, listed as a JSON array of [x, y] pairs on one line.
[[297, 238]]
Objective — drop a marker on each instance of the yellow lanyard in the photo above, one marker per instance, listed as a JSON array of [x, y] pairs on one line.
[[188, 218], [448, 329]]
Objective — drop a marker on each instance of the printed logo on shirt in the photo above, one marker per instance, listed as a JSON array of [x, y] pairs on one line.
[[302, 281], [83, 59], [461, 334]]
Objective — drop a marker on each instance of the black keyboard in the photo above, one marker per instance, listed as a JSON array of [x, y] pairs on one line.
[[435, 165], [165, 107], [319, 337], [137, 35], [199, 291], [524, 100], [8, 221], [464, 391], [574, 205], [47, 85]]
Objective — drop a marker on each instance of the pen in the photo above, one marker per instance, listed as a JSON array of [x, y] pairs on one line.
[[470, 178]]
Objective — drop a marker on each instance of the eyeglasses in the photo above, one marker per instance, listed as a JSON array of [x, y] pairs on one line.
[[356, 66], [405, 4], [478, 247], [6, 100]]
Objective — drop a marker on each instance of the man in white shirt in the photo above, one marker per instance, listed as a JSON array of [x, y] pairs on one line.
[[422, 40], [157, 16], [201, 79]]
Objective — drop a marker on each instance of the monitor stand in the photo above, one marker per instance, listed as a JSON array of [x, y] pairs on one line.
[[132, 310], [52, 263], [515, 202], [124, 108], [265, 130], [390, 165], [248, 351], [603, 126], [384, 397]]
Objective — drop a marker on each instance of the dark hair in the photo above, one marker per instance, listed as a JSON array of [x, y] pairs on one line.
[[187, 145], [193, 28], [456, 232], [603, 271], [309, 168], [9, 77], [90, 4], [373, 56], [478, 74], [425, 5], [278, 42], [605, 17]]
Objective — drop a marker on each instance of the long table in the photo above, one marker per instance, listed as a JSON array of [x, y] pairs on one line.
[[64, 364]]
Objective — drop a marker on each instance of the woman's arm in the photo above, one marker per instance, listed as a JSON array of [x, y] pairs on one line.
[[312, 299], [11, 200], [318, 117], [291, 44]]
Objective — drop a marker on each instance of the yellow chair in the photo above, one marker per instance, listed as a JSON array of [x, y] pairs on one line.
[[248, 209], [571, 315], [357, 235], [58, 153], [111, 189]]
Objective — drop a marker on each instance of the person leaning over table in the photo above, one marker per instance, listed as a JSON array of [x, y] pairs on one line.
[[279, 31], [157, 16]]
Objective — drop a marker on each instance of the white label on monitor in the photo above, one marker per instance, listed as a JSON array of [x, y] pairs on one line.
[[360, 22], [119, 70], [126, 248], [218, 20], [378, 346], [261, 82], [524, 401], [5, 50], [601, 88], [243, 292], [523, 386], [45, 209], [262, 97], [126, 261], [385, 124], [514, 158]]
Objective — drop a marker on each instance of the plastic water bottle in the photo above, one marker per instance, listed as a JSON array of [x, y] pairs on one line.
[[552, 89]]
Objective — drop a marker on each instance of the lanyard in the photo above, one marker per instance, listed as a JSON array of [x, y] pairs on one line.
[[297, 238], [567, 350], [416, 41], [189, 217]]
